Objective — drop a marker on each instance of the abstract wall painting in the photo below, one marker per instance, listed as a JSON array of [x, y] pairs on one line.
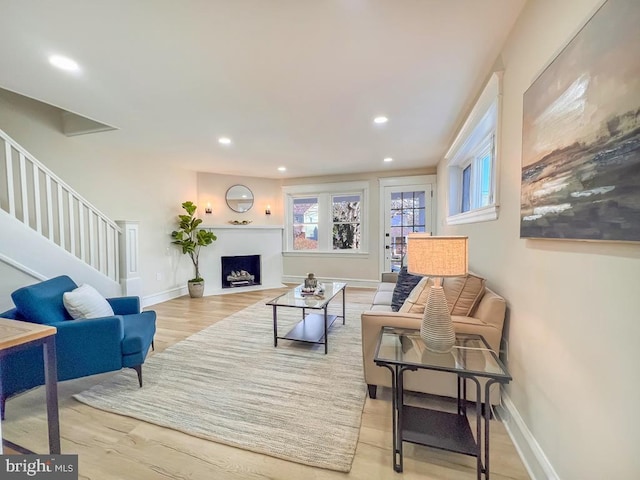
[[581, 134]]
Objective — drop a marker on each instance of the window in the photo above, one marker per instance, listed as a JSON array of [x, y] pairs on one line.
[[326, 218], [305, 223], [473, 161], [477, 178], [346, 222]]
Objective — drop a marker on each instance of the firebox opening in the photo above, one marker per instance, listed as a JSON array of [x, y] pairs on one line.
[[241, 271]]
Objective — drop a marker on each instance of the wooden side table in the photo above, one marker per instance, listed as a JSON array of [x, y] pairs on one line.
[[16, 335]]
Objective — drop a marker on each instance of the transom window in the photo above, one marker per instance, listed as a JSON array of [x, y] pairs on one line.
[[325, 218]]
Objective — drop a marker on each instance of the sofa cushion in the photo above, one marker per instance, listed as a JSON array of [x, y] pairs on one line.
[[42, 302], [382, 298], [417, 299], [406, 282], [86, 302], [463, 293]]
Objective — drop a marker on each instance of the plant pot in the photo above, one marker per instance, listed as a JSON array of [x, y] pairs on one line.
[[196, 289]]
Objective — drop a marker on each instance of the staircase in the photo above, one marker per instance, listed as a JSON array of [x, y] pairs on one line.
[[47, 228]]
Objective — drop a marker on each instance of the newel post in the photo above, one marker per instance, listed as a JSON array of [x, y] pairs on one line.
[[130, 280]]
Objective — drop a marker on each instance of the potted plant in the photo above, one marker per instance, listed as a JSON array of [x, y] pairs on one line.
[[190, 239]]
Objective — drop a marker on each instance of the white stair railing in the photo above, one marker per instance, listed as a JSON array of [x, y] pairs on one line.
[[33, 194]]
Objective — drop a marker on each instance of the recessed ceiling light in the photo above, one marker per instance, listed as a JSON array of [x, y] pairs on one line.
[[380, 120], [282, 169], [388, 159], [64, 63], [224, 141]]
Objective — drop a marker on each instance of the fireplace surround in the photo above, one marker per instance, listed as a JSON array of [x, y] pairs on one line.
[[241, 241]]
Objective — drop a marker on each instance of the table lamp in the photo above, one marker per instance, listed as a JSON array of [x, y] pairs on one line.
[[437, 257]]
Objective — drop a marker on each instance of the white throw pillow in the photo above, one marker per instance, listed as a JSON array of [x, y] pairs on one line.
[[86, 302]]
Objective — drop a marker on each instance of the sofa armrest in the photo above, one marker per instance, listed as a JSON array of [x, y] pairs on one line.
[[125, 305], [389, 277], [491, 309]]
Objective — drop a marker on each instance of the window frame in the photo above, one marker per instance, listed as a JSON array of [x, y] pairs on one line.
[[325, 193], [480, 131]]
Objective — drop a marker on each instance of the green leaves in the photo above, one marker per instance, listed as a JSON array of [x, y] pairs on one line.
[[189, 237]]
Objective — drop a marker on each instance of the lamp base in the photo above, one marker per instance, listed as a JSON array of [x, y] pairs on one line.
[[437, 328]]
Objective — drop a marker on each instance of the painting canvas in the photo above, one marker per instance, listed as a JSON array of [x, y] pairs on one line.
[[581, 134]]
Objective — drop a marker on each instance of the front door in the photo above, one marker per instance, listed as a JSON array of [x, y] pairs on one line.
[[407, 209]]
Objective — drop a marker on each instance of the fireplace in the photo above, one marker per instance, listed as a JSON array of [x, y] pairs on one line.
[[241, 271]]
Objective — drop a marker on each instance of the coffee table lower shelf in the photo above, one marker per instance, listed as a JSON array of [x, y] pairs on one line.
[[310, 329]]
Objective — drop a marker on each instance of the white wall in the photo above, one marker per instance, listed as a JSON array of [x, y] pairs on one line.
[[573, 321], [124, 185]]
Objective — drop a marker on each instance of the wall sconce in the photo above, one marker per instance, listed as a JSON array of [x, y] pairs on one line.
[[208, 210], [268, 210]]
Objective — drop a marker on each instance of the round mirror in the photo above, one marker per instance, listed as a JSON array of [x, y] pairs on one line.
[[239, 198]]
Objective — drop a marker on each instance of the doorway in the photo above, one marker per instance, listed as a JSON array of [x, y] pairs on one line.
[[407, 206]]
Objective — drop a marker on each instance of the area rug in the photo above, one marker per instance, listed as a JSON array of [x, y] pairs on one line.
[[229, 384]]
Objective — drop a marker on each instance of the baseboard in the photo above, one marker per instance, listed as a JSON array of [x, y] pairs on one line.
[[534, 459], [351, 282], [164, 296]]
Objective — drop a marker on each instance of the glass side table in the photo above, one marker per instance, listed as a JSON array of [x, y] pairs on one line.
[[472, 360]]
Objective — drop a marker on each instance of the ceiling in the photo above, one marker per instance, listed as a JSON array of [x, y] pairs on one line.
[[293, 83]]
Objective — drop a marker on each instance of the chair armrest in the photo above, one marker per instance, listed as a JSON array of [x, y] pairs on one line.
[[125, 305], [88, 346]]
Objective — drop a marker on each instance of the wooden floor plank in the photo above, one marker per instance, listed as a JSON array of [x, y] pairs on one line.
[[115, 447]]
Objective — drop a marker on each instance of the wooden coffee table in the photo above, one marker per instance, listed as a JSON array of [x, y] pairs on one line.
[[313, 327]]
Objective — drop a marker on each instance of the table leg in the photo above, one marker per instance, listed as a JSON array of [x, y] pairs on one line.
[[275, 326], [343, 304], [326, 334], [487, 423], [397, 455], [478, 429], [51, 383]]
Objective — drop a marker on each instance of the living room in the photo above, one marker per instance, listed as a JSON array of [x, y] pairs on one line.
[[571, 311]]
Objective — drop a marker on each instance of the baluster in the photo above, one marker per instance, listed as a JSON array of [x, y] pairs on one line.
[[72, 226], [36, 197], [10, 189], [60, 218], [116, 257], [49, 207], [92, 241], [23, 187], [101, 246], [82, 232]]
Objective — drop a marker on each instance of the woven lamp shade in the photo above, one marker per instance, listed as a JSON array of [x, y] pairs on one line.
[[437, 257]]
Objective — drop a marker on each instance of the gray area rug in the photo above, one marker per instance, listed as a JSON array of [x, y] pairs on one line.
[[229, 384]]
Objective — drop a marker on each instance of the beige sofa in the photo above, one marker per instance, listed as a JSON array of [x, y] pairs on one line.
[[487, 320]]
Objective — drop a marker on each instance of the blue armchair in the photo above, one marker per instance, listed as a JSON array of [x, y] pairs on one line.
[[83, 347]]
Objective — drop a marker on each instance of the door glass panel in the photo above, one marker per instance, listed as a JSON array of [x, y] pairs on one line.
[[407, 215]]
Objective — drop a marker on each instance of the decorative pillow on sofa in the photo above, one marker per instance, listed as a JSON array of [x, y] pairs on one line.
[[463, 293], [86, 302], [417, 299], [406, 282]]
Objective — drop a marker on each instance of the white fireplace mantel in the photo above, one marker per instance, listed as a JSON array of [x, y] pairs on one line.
[[235, 240]]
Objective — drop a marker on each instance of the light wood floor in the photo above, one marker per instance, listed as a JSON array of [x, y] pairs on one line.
[[115, 447]]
